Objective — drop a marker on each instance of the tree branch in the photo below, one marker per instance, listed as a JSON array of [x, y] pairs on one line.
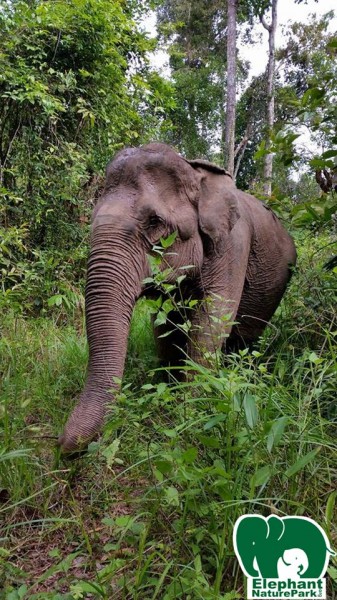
[[238, 162], [241, 144], [264, 23], [9, 147]]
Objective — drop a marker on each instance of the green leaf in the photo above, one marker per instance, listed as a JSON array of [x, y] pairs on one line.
[[190, 455], [163, 335], [333, 573], [276, 432], [261, 151], [111, 451], [169, 241], [214, 421], [317, 163], [61, 567], [209, 441], [109, 521], [160, 319], [170, 433], [329, 511], [302, 462], [167, 306], [329, 153], [320, 163], [13, 454], [261, 476], [164, 466], [172, 496], [315, 359], [310, 209], [148, 386], [311, 94], [161, 388], [250, 408], [80, 588], [17, 594], [55, 300]]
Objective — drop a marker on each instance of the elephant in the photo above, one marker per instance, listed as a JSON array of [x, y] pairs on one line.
[[274, 547], [292, 564], [237, 252]]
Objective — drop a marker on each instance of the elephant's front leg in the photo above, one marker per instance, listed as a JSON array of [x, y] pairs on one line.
[[213, 319], [212, 323], [171, 340]]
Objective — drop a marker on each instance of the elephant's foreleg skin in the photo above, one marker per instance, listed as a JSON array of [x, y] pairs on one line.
[[223, 283], [211, 326], [172, 347]]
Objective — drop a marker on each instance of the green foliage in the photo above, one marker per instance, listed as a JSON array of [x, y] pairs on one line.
[[74, 87], [315, 213], [304, 102], [309, 69]]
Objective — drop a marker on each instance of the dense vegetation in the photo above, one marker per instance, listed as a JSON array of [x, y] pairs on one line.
[[149, 511]]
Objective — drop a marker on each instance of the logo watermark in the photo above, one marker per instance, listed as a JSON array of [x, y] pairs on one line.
[[282, 557]]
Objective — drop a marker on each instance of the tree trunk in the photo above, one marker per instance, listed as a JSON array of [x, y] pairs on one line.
[[231, 87], [268, 161]]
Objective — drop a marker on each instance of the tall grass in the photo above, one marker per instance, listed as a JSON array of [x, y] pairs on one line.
[[149, 511]]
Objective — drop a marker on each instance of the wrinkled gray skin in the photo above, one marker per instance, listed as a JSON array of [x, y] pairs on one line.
[[239, 250]]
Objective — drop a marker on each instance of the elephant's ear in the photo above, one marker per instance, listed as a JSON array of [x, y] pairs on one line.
[[217, 204], [276, 528]]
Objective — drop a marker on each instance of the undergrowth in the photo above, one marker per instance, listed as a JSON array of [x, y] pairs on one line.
[[149, 511]]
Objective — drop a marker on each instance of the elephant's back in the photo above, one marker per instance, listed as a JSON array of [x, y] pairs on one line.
[[266, 226]]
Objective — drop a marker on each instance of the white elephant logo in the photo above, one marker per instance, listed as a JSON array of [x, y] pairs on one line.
[[292, 564]]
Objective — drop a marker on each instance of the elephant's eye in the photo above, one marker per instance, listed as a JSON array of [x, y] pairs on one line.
[[154, 221]]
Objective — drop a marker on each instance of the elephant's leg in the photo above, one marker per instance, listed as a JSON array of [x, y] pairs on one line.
[[171, 341], [211, 326], [214, 318], [260, 299], [236, 342]]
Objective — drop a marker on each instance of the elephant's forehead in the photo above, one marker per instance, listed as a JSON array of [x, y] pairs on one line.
[[144, 170]]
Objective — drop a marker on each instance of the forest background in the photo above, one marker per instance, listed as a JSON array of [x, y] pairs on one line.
[[78, 81]]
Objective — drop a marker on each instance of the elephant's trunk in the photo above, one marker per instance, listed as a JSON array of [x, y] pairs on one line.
[[114, 277]]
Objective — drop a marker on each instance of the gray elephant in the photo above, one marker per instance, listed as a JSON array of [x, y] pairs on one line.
[[287, 547], [239, 255]]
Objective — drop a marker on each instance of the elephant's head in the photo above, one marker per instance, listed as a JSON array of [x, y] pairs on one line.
[[293, 564], [150, 193], [256, 544]]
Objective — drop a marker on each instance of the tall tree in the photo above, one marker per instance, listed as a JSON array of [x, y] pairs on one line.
[[268, 161], [231, 86], [196, 35]]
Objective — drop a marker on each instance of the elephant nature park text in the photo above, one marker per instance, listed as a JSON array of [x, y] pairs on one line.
[[229, 247], [282, 557]]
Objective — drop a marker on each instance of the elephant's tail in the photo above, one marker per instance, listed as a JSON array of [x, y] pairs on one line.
[[332, 552]]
